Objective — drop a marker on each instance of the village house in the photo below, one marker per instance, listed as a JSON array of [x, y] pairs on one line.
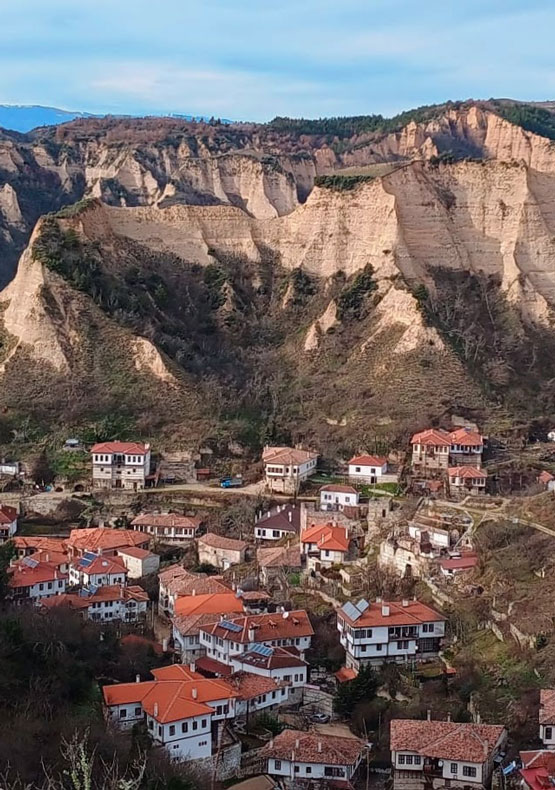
[[466, 480], [219, 551], [257, 693], [547, 718], [103, 540], [438, 753], [98, 571], [324, 546], [176, 582], [169, 528], [430, 451], [8, 522], [370, 469], [227, 638], [31, 581], [398, 632], [280, 522], [287, 468], [29, 544], [277, 562], [56, 558], [139, 562], [466, 448], [128, 604], [277, 663], [192, 611], [185, 713], [295, 755], [338, 497], [547, 480], [453, 566], [120, 465], [254, 601], [538, 769]]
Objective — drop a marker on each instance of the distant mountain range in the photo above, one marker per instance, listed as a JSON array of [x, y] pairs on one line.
[[24, 117]]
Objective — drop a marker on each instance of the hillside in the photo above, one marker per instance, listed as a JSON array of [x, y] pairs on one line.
[[208, 290]]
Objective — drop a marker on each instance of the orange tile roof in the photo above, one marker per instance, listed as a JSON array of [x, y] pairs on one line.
[[213, 603], [221, 542], [39, 542], [21, 575], [313, 747], [287, 455], [467, 472], [339, 489], [166, 520], [547, 706], [345, 674], [104, 538], [101, 564], [267, 627], [189, 625], [445, 740], [249, 685], [538, 772], [466, 437], [326, 536], [126, 448], [7, 514], [207, 664], [411, 614], [279, 658], [179, 581], [56, 558], [176, 672], [368, 460], [432, 436], [545, 477], [134, 551], [459, 563]]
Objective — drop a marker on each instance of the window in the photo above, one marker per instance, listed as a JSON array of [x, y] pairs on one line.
[[357, 468], [277, 765], [308, 769], [123, 713], [150, 724], [417, 759], [202, 743], [172, 729], [203, 724], [401, 759], [454, 768], [296, 769], [379, 648], [469, 770], [409, 759], [184, 727], [195, 725], [138, 711], [548, 733], [49, 585]]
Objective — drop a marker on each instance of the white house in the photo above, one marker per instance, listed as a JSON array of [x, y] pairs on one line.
[[459, 755], [32, 581], [127, 604], [338, 497], [120, 465], [324, 545], [467, 447], [467, 480], [139, 562], [257, 693], [277, 663], [168, 527], [184, 712], [367, 468], [287, 468], [226, 638], [280, 522], [375, 633], [8, 522], [295, 755], [93, 569], [430, 451], [547, 718], [192, 611]]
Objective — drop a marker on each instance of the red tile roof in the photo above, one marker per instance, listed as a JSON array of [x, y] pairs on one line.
[[432, 436], [221, 542], [103, 538], [287, 455], [213, 603], [547, 706], [279, 658], [126, 448], [166, 520], [21, 575], [39, 542], [538, 771], [7, 514], [467, 472], [207, 664], [466, 438], [249, 685], [413, 613], [368, 460], [345, 674], [545, 477], [267, 627], [446, 740], [338, 489], [459, 563], [56, 558], [176, 672], [312, 747], [109, 565], [111, 592], [179, 581], [326, 536], [134, 551], [280, 556]]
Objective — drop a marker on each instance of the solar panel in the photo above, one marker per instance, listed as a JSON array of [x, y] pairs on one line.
[[351, 611], [230, 626], [92, 589], [262, 650], [83, 592], [362, 605], [30, 562]]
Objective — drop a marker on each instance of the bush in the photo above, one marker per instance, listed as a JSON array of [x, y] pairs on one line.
[[350, 302]]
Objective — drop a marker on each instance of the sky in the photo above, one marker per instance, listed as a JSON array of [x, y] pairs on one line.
[[255, 59]]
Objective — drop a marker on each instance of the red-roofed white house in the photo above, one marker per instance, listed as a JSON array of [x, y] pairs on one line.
[[139, 562], [430, 451], [454, 754], [31, 581], [296, 755], [338, 497], [128, 604], [467, 447], [170, 528], [367, 468], [373, 633], [467, 480], [287, 468], [97, 570], [324, 545], [8, 522], [277, 663], [538, 769], [120, 464]]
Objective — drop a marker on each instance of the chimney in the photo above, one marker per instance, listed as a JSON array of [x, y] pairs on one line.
[[165, 645], [194, 693], [378, 600], [405, 603], [137, 678], [385, 610], [155, 709], [319, 746], [429, 714], [251, 635], [296, 743], [47, 558], [193, 592], [192, 666], [449, 716], [290, 514]]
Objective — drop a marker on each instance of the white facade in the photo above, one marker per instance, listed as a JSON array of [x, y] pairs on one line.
[[367, 473], [110, 577], [439, 538], [336, 499], [223, 649], [8, 530], [547, 735], [40, 590], [285, 468], [188, 645], [129, 611], [296, 676], [293, 769], [139, 566], [323, 558], [120, 469], [461, 771]]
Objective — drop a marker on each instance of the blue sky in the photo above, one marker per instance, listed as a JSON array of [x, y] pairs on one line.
[[254, 59]]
